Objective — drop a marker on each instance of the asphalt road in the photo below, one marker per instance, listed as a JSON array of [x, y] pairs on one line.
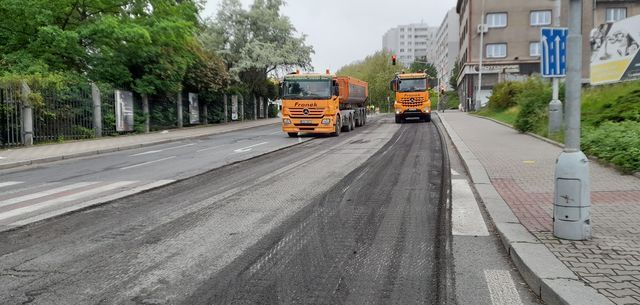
[[41, 191], [364, 218]]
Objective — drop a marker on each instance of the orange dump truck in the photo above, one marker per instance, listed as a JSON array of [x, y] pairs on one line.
[[322, 103], [412, 96]]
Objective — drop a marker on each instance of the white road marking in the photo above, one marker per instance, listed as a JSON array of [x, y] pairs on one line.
[[465, 215], [454, 173], [76, 196], [501, 288], [88, 203], [10, 183], [146, 153], [207, 149], [147, 163], [249, 148], [161, 150], [44, 193]]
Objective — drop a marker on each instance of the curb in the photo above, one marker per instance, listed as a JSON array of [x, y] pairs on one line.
[[115, 149], [545, 274]]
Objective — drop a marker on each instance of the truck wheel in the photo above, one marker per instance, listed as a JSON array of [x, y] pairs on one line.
[[398, 119], [353, 123], [337, 127], [364, 119], [427, 118], [292, 134], [347, 127]]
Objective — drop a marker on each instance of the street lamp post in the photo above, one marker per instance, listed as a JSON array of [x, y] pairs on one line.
[[572, 201], [482, 24]]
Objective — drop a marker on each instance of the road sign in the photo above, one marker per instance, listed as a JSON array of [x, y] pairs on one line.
[[553, 45]]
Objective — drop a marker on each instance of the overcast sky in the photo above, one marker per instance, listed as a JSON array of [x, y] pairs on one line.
[[343, 31]]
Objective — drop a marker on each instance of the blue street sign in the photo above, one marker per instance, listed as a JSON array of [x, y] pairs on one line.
[[553, 47]]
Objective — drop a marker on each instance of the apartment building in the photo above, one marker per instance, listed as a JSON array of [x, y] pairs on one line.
[[409, 42], [511, 47], [607, 11], [445, 53]]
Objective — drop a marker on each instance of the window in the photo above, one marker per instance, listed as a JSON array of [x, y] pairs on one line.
[[496, 20], [496, 50], [409, 43], [534, 49], [616, 14], [402, 43], [401, 50], [408, 50], [402, 30], [540, 18], [401, 36]]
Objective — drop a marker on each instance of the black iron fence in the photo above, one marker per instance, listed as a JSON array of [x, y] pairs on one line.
[[68, 113], [10, 115]]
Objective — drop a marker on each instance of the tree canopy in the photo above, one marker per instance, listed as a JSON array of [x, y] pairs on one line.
[[376, 70], [256, 42], [146, 45]]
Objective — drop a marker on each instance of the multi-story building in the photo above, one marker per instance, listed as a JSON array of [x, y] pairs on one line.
[[511, 47], [447, 47], [409, 42]]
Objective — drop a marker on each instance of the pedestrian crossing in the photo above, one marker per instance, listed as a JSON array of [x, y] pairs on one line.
[[21, 204]]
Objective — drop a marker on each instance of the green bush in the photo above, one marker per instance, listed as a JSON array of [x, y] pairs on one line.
[[504, 95], [622, 108], [617, 143], [533, 104]]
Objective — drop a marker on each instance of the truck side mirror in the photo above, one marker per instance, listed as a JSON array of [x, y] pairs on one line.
[[281, 90], [336, 90]]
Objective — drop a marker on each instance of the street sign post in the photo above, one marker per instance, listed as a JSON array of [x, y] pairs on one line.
[[553, 64]]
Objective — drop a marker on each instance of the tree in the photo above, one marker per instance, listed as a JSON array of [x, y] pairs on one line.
[[256, 42], [421, 64], [453, 81], [378, 72]]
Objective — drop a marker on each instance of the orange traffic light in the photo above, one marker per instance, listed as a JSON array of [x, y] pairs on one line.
[[393, 59]]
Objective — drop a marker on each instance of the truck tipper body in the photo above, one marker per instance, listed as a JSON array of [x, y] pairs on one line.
[[322, 103], [411, 96]]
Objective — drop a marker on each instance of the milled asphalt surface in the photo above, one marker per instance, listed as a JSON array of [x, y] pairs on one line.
[[166, 246], [358, 219]]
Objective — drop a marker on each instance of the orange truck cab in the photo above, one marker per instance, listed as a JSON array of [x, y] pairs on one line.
[[412, 96], [322, 103]]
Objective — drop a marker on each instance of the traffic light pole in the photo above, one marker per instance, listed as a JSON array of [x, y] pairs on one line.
[[572, 195]]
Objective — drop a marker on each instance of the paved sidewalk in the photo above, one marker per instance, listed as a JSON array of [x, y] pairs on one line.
[[521, 168], [52, 152]]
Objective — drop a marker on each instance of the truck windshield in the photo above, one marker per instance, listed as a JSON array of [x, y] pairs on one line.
[[412, 85], [307, 89]]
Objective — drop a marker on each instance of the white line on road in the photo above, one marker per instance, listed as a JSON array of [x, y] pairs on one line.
[[454, 173], [147, 163], [465, 215], [88, 203], [146, 153], [44, 194], [207, 149], [10, 183], [76, 196], [248, 148], [161, 150], [501, 288]]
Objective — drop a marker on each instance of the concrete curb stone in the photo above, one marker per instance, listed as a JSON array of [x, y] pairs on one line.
[[545, 274]]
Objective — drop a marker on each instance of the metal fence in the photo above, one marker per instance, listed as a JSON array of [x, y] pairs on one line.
[[10, 115], [68, 113]]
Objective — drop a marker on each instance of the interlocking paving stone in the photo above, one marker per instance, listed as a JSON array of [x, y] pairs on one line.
[[521, 168]]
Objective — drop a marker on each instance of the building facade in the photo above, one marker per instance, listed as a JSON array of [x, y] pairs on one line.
[[445, 53], [511, 43], [409, 42]]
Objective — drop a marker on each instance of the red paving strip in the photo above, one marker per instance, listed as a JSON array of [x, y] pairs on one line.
[[533, 209]]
